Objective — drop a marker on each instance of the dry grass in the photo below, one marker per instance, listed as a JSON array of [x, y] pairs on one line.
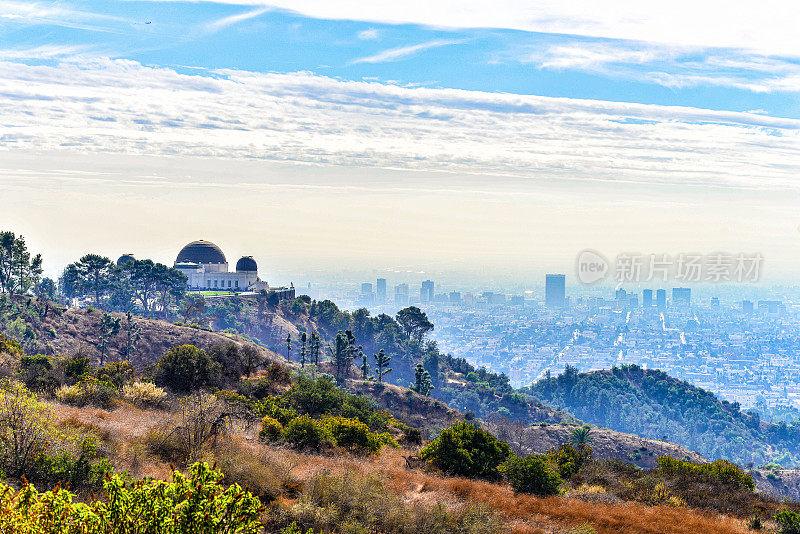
[[266, 469]]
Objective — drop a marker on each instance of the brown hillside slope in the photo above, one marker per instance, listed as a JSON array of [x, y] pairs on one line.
[[69, 330], [606, 444]]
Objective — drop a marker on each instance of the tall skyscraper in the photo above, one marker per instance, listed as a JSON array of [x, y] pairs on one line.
[[681, 296], [661, 299], [426, 291], [401, 294], [647, 298], [554, 290], [367, 296], [380, 291], [747, 306]]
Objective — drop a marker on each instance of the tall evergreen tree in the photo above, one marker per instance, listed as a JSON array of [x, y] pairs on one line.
[[94, 273], [19, 272], [289, 347], [422, 380], [364, 366], [109, 327], [303, 339], [382, 365]]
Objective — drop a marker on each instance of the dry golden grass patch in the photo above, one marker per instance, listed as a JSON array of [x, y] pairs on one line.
[[289, 470]]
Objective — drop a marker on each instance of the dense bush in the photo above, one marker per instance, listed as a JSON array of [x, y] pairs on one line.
[[718, 472], [355, 436], [36, 371], [118, 373], [305, 433], [788, 522], [271, 429], [197, 504], [276, 408], [466, 450], [568, 460], [187, 368], [144, 395], [531, 474], [89, 390], [26, 428]]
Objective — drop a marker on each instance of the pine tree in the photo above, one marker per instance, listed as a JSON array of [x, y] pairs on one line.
[[303, 350], [109, 327], [289, 347], [422, 380], [343, 354], [364, 366], [133, 333], [382, 365]]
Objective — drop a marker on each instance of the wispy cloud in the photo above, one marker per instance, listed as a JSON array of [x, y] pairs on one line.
[[56, 14], [396, 54], [119, 106], [674, 67], [769, 26], [42, 52], [368, 35], [224, 22]]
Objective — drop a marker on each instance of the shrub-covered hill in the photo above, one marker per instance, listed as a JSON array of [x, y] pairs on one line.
[[606, 444], [652, 404], [43, 327]]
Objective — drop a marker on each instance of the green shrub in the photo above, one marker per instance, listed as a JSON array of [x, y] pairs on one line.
[[355, 436], [271, 429], [306, 433], [187, 368], [277, 408], [144, 395], [9, 346], [36, 372], [569, 460], [718, 471], [465, 450], [531, 474], [118, 373], [197, 503], [788, 522], [76, 367], [90, 390]]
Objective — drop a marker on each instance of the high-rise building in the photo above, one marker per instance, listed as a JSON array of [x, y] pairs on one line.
[[681, 296], [367, 296], [661, 299], [426, 291], [380, 291], [401, 294], [747, 306], [455, 297], [554, 290], [647, 298]]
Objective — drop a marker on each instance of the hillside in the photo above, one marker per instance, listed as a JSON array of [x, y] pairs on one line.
[[606, 444], [455, 381], [45, 328], [654, 405]]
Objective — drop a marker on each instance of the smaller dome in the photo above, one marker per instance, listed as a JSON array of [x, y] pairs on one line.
[[246, 263], [125, 259]]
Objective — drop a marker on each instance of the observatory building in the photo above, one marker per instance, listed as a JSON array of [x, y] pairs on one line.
[[205, 266]]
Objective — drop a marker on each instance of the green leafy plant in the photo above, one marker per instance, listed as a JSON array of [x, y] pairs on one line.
[[531, 474], [465, 450]]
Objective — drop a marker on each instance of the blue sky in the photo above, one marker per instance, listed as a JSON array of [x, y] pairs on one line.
[[264, 38], [533, 114]]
